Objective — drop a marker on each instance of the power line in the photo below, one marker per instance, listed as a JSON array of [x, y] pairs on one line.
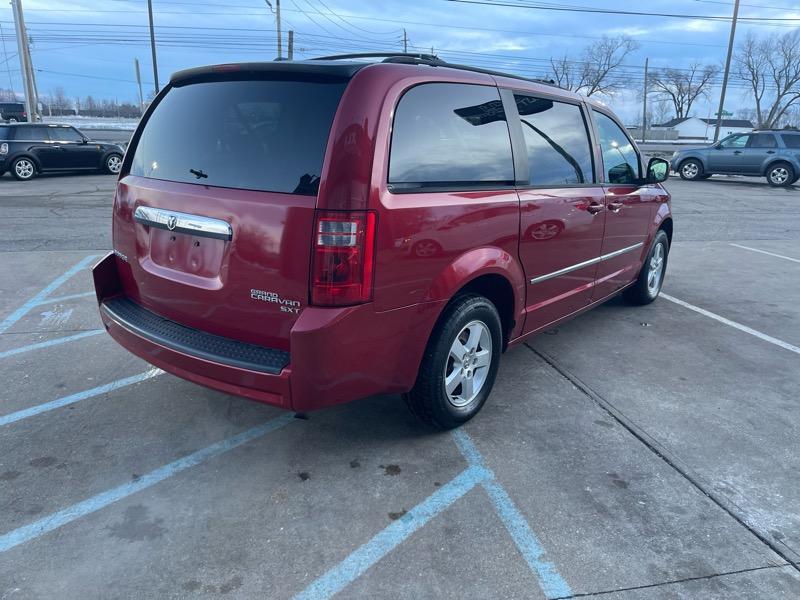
[[609, 11]]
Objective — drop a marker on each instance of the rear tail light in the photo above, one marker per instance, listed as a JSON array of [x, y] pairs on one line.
[[344, 256], [3, 149]]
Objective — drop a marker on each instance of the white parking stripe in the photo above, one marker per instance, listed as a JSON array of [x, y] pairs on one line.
[[767, 253], [734, 324]]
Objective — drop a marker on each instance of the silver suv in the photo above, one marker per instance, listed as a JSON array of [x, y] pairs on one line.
[[766, 153]]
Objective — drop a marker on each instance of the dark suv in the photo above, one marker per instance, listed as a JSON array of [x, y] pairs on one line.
[[309, 233], [13, 112], [28, 149], [771, 154]]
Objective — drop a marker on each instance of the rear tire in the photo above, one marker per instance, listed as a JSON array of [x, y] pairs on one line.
[[651, 277], [459, 365], [691, 169], [23, 169], [781, 174]]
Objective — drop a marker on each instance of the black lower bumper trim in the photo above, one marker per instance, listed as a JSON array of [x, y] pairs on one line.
[[197, 343]]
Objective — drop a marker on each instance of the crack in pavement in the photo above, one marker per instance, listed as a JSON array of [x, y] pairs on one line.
[[671, 582], [663, 453]]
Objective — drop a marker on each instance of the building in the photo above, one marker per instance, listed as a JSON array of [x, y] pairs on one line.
[[695, 129]]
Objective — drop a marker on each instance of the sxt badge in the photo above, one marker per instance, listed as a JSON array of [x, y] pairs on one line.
[[287, 306]]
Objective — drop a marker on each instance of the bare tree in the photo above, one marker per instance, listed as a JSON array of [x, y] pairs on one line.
[[594, 72], [660, 112], [771, 68], [683, 87], [7, 95]]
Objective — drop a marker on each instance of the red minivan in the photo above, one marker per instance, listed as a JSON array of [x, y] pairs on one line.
[[309, 233]]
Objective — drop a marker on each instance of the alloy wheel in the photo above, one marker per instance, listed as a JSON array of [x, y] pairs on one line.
[[690, 170], [468, 363], [114, 164], [779, 175], [655, 270], [24, 168]]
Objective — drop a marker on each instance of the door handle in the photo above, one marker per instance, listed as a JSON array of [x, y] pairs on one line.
[[594, 208], [770, 151], [737, 151], [615, 206]]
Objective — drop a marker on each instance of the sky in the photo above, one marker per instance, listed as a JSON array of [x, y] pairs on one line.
[[88, 47]]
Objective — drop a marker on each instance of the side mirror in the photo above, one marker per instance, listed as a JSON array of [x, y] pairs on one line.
[[657, 170], [84, 140]]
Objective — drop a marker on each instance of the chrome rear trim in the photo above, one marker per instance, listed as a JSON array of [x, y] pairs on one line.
[[183, 222]]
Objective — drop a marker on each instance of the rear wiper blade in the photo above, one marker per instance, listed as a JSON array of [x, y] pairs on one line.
[[198, 173]]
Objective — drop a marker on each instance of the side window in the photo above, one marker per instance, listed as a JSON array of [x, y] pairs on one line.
[[735, 141], [447, 134], [27, 133], [791, 140], [65, 134], [762, 140], [559, 152], [620, 160]]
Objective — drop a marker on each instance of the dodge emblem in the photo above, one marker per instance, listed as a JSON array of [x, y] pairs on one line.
[[171, 222]]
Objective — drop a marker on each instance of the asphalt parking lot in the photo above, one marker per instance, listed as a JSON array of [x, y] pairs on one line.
[[646, 452]]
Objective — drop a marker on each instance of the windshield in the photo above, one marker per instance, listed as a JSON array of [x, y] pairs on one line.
[[248, 134]]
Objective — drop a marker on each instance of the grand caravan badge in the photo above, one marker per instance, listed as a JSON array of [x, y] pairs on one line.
[[287, 306]]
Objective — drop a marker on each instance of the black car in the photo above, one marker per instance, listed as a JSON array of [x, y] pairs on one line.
[[13, 112], [28, 149]]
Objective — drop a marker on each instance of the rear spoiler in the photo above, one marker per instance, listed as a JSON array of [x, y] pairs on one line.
[[332, 69]]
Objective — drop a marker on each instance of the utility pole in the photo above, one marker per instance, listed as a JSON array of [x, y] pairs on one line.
[[153, 44], [290, 49], [644, 102], [405, 40], [28, 80], [139, 83], [727, 70]]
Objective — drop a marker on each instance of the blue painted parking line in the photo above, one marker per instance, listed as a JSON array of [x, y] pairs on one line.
[[77, 397], [65, 298], [38, 528], [352, 567], [550, 581], [49, 343], [58, 281]]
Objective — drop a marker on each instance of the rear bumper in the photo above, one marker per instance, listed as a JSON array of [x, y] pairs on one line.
[[336, 354]]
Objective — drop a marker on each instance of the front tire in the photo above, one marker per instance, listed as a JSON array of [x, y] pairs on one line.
[[113, 164], [651, 277], [690, 170], [781, 174], [459, 365], [23, 169]]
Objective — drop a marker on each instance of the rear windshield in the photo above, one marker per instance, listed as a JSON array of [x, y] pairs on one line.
[[253, 134]]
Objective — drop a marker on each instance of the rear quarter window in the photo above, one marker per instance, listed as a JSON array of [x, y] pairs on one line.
[[249, 134], [791, 141], [450, 135], [4, 131], [31, 134]]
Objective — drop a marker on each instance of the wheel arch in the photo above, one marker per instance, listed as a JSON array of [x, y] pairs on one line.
[[27, 155], [698, 157], [780, 159], [492, 273]]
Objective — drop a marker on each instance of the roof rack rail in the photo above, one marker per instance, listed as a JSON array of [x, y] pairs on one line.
[[388, 56], [432, 60]]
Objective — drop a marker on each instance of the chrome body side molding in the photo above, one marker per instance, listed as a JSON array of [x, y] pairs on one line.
[[586, 263]]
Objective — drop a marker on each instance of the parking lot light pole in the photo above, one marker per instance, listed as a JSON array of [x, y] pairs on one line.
[[727, 70], [153, 44], [26, 68]]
